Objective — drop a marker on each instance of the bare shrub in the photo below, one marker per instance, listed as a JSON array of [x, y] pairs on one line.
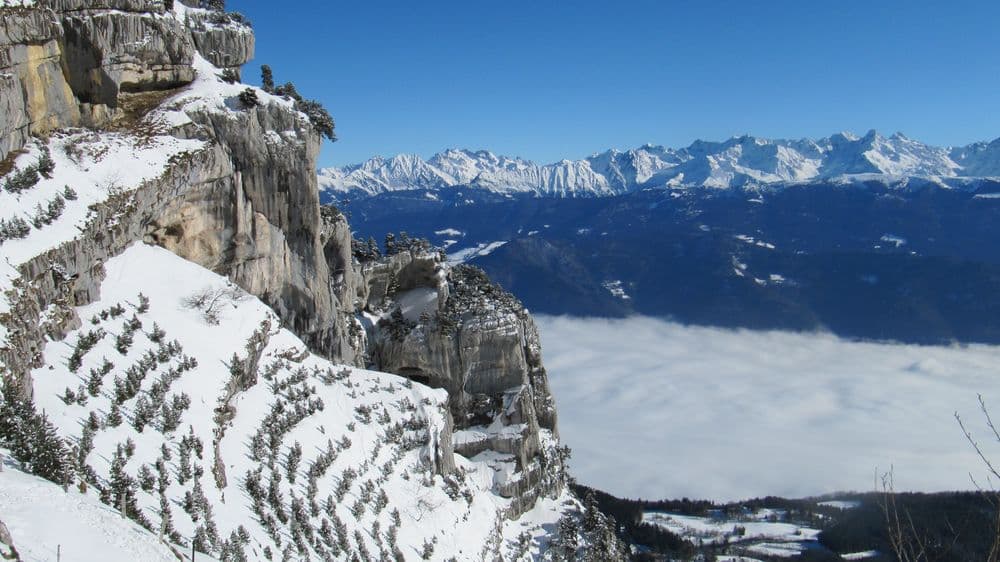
[[211, 301]]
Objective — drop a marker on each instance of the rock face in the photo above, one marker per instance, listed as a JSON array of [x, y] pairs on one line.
[[64, 62], [262, 226], [219, 41], [113, 51], [34, 96], [452, 328]]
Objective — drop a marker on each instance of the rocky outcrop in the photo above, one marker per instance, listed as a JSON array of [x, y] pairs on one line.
[[64, 63], [222, 40], [347, 340], [131, 6], [8, 552], [453, 329], [111, 52], [35, 98], [263, 229]]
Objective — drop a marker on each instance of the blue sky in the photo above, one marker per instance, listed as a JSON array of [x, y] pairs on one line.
[[548, 80]]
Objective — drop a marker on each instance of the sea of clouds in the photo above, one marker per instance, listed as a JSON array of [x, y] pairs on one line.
[[655, 409]]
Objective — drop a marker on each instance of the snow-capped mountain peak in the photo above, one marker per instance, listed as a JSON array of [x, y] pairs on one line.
[[739, 160]]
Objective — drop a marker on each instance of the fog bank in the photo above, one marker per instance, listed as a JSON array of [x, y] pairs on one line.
[[655, 409]]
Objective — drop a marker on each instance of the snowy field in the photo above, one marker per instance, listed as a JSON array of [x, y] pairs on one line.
[[659, 410]]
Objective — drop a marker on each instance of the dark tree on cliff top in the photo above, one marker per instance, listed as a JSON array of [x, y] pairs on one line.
[[266, 79]]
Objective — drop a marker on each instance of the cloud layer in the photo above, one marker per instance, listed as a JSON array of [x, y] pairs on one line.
[[655, 409]]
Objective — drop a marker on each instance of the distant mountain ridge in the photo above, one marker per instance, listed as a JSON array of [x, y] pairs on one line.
[[738, 161]]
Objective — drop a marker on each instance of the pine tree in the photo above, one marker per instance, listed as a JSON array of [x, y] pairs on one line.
[[266, 79], [49, 455], [94, 382], [114, 416], [157, 335], [143, 304], [22, 180], [390, 244], [248, 98], [293, 460], [45, 164], [287, 90], [184, 468], [591, 513], [567, 540], [32, 439], [320, 118]]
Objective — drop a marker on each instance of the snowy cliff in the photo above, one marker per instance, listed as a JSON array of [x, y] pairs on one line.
[[187, 336]]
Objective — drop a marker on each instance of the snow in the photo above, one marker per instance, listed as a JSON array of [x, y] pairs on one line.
[[898, 241], [860, 555], [738, 161], [753, 241], [90, 165], [426, 509], [840, 504], [44, 521], [726, 404], [479, 250], [417, 301], [781, 550], [209, 93], [739, 268], [616, 289], [760, 537]]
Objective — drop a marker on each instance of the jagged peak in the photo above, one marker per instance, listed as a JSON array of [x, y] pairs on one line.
[[724, 163]]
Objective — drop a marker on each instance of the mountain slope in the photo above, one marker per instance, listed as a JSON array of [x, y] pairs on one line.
[[239, 396], [734, 162], [189, 337], [910, 262], [47, 522]]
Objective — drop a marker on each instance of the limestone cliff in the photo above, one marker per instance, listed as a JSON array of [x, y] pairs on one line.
[[452, 328], [240, 199], [63, 63], [245, 205]]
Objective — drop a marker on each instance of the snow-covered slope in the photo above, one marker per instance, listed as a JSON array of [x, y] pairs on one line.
[[48, 523], [238, 395], [734, 162]]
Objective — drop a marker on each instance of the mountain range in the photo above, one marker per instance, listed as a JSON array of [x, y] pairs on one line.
[[738, 161]]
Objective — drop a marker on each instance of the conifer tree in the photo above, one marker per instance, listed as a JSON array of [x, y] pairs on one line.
[[266, 79]]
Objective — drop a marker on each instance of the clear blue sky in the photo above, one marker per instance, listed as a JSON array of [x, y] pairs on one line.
[[548, 79]]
